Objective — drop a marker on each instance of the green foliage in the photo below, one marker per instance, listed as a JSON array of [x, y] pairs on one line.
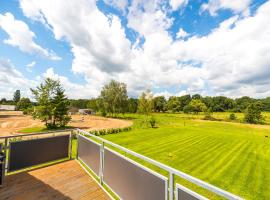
[[195, 106], [253, 113], [232, 116], [152, 122], [79, 103], [173, 104], [17, 96], [132, 105], [208, 115], [52, 104], [24, 104], [197, 97], [242, 103], [145, 103], [102, 132], [113, 97], [3, 101], [93, 104], [60, 108], [159, 104]]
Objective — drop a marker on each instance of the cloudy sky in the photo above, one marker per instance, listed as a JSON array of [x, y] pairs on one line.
[[211, 47]]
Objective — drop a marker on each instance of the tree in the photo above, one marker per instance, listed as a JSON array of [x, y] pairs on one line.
[[93, 104], [24, 104], [253, 113], [197, 96], [79, 103], [60, 109], [17, 96], [3, 101], [174, 104], [159, 104], [145, 105], [242, 103], [184, 100], [132, 105], [195, 106], [113, 97], [52, 104]]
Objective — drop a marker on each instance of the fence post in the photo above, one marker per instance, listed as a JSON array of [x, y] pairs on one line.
[[70, 145], [101, 164], [171, 186]]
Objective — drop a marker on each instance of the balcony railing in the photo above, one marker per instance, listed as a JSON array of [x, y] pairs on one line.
[[125, 177]]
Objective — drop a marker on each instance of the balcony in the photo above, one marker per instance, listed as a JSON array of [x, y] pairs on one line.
[[66, 180], [75, 164]]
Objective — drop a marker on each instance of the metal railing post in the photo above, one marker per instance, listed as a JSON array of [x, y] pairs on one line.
[[6, 154], [171, 186], [101, 165], [70, 145], [77, 150]]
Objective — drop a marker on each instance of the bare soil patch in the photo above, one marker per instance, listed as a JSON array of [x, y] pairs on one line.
[[13, 121]]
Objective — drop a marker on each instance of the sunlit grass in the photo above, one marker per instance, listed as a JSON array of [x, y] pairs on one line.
[[232, 156]]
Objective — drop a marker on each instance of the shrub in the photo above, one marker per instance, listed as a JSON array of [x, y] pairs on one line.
[[152, 122], [232, 116], [208, 115], [253, 113], [103, 113]]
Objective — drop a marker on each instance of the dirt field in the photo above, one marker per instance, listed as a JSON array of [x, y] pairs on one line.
[[13, 121]]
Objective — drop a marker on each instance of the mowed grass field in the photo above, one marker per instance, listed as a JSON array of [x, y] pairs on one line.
[[232, 156]]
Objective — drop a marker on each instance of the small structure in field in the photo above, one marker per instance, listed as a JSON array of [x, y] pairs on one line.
[[86, 112], [7, 107]]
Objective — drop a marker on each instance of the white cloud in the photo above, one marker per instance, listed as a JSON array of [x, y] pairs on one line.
[[30, 66], [181, 34], [232, 60], [237, 6], [21, 36], [11, 79], [176, 4], [73, 90], [120, 4]]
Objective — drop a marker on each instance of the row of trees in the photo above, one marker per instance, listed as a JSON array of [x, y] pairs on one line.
[[52, 106], [114, 99]]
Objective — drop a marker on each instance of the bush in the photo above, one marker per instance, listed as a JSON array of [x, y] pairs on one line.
[[103, 113], [232, 116], [152, 122], [253, 113], [208, 115]]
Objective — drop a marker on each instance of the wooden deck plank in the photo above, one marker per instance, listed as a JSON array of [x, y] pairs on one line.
[[64, 181]]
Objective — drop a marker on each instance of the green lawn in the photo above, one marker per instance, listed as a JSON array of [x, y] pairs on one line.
[[232, 156]]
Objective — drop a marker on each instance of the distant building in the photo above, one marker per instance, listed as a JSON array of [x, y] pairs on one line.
[[86, 112], [7, 107]]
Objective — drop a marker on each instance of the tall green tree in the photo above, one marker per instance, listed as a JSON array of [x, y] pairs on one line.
[[145, 105], [113, 97], [173, 104], [195, 106], [17, 96], [253, 113], [60, 108], [24, 103], [52, 104], [132, 105], [159, 104]]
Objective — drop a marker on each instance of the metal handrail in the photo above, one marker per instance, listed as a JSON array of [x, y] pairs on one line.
[[171, 170], [36, 133]]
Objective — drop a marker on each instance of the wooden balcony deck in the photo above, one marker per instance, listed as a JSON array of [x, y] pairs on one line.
[[66, 180]]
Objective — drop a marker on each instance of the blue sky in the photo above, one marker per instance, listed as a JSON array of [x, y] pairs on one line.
[[174, 47]]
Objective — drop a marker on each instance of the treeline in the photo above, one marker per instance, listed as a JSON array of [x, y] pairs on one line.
[[52, 105], [180, 104], [21, 103]]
